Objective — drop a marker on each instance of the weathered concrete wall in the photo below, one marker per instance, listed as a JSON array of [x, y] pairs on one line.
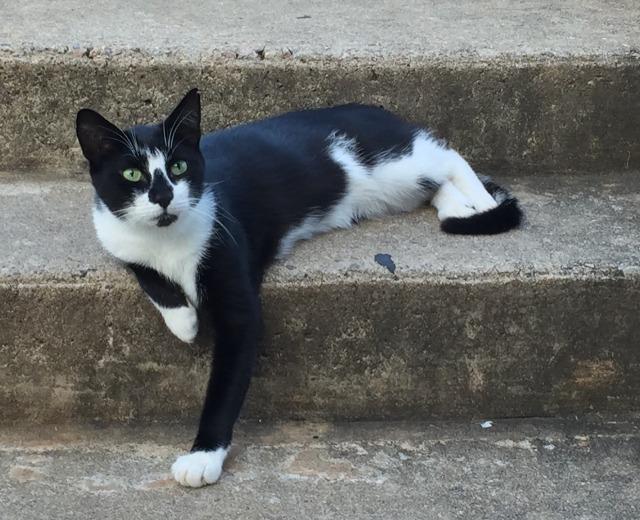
[[541, 321], [505, 115], [354, 350]]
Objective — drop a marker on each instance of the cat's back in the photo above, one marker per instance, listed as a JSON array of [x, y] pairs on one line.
[[304, 135], [272, 173]]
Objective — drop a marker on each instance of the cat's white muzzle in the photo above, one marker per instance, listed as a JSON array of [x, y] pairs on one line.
[[143, 211]]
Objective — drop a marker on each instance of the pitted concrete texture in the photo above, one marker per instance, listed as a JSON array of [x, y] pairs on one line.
[[518, 87], [332, 28], [540, 321], [575, 226], [526, 469]]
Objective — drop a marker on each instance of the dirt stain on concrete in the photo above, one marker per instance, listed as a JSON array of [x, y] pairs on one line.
[[317, 463], [594, 373], [23, 474]]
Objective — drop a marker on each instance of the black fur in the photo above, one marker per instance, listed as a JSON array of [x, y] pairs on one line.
[[162, 291], [505, 217]]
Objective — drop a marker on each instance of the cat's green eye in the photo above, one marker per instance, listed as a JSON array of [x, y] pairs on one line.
[[179, 167], [132, 174]]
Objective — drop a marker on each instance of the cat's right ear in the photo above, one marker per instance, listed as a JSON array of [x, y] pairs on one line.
[[183, 124], [97, 136]]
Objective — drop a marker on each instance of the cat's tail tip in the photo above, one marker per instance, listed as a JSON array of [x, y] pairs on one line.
[[507, 215]]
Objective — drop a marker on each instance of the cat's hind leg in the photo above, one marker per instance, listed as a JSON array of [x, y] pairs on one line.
[[460, 173], [466, 204], [469, 205], [452, 203], [403, 180], [438, 164]]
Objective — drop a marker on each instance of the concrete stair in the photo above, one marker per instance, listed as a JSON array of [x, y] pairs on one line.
[[533, 469], [539, 322], [533, 87], [542, 321]]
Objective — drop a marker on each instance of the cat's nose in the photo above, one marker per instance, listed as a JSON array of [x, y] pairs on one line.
[[161, 196], [160, 191]]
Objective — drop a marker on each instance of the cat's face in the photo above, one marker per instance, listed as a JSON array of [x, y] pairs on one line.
[[150, 174]]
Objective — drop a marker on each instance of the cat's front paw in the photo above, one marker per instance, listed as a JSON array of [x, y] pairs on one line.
[[199, 468], [182, 322]]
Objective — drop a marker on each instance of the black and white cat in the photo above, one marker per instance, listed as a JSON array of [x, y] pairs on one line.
[[199, 219]]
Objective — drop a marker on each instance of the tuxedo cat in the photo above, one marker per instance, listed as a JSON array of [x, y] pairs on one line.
[[198, 219]]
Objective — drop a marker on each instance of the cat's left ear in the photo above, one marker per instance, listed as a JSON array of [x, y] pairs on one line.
[[97, 136], [183, 124]]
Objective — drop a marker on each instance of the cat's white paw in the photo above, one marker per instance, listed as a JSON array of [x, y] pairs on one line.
[[452, 203], [199, 468], [456, 211], [182, 322]]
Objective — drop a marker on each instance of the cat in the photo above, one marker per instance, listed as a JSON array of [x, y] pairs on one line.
[[199, 219]]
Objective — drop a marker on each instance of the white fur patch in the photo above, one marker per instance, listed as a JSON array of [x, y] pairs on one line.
[[174, 251], [310, 226], [199, 468], [450, 202], [157, 162], [394, 184], [181, 321]]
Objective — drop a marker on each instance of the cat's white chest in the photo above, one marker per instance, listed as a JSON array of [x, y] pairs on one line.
[[175, 251]]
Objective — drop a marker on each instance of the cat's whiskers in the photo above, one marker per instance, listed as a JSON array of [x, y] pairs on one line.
[[226, 213], [176, 126], [173, 128], [169, 143], [127, 142], [142, 215], [164, 135], [212, 216], [136, 215], [123, 143], [136, 145], [173, 147]]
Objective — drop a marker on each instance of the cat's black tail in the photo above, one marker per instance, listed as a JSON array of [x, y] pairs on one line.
[[505, 216]]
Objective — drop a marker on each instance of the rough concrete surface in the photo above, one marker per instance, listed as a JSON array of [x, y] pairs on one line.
[[540, 321], [532, 86], [574, 225], [356, 28], [514, 470]]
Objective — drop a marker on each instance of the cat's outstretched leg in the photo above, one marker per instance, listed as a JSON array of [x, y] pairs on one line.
[[237, 323]]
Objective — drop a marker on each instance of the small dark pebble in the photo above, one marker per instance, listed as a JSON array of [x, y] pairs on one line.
[[384, 260]]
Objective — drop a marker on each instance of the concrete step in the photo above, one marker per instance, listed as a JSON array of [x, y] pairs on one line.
[[542, 321], [518, 87], [538, 470]]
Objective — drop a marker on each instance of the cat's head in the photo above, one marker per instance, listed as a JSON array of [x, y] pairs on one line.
[[148, 174]]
